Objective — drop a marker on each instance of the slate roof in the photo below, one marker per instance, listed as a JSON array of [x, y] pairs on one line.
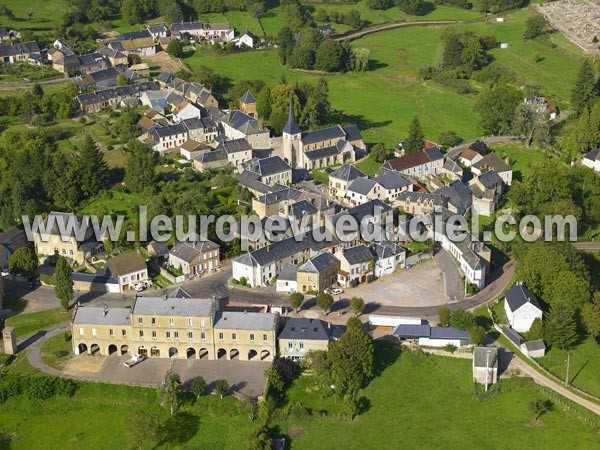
[[169, 130], [357, 254], [13, 239], [368, 208], [242, 122], [532, 346], [324, 152], [233, 320], [385, 249], [305, 329], [268, 166], [91, 315], [392, 180], [593, 155], [189, 250], [250, 180], [156, 28], [427, 331], [458, 194], [452, 166], [301, 208], [362, 186], [513, 335], [324, 134], [480, 357], [412, 331], [235, 146], [490, 179], [319, 263], [492, 161], [142, 34], [437, 199], [126, 263], [179, 292], [518, 295], [291, 127], [347, 172], [165, 77], [288, 272], [248, 98], [19, 48], [171, 306], [414, 159]]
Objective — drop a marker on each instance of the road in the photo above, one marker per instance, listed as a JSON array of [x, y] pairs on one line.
[[587, 246], [390, 26]]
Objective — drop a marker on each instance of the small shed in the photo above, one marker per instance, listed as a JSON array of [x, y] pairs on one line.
[[504, 45], [485, 365], [384, 322], [534, 349]]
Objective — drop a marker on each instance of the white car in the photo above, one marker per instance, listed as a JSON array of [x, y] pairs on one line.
[[139, 287], [135, 359], [337, 291]]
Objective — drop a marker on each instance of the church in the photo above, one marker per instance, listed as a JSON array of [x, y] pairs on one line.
[[320, 148]]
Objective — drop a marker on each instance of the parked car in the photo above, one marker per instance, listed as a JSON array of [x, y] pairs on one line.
[[139, 287], [337, 291], [135, 359]]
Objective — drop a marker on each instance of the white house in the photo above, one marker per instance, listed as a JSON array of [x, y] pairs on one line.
[[420, 164], [592, 160], [128, 269], [287, 279], [391, 185], [340, 179], [185, 110], [534, 349], [521, 308], [380, 320], [388, 257], [356, 264], [170, 136], [247, 39], [361, 190], [428, 336]]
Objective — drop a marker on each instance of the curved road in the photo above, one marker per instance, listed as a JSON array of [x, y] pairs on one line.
[[392, 25]]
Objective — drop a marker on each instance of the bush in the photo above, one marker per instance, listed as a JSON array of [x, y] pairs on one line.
[[234, 281], [243, 281], [450, 348], [463, 320]]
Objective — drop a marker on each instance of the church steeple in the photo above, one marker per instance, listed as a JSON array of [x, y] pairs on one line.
[[291, 127]]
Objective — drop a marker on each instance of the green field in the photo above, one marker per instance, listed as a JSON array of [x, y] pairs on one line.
[[521, 158], [585, 365], [30, 323], [383, 101], [427, 402], [45, 14]]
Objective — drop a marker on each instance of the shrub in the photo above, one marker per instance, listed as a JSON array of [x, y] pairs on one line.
[[243, 281], [234, 281], [463, 320], [450, 348]]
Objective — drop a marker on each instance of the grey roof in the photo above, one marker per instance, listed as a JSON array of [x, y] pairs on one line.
[[171, 306], [352, 133], [233, 320], [168, 130], [452, 166], [235, 146], [492, 161], [448, 333], [89, 315], [243, 122], [359, 212], [513, 335], [538, 344], [268, 166], [458, 194], [593, 155], [250, 180], [434, 153], [437, 199], [324, 134], [248, 98], [288, 272], [165, 77], [323, 152], [187, 251], [480, 357], [301, 208], [305, 329], [518, 295], [19, 48], [157, 27], [357, 254], [347, 172], [319, 263], [386, 249], [362, 185], [13, 239], [418, 331], [133, 35], [412, 331], [490, 179], [291, 127], [212, 156], [392, 180]]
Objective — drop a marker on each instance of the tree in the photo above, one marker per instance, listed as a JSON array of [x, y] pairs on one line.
[[444, 316], [175, 48], [360, 58], [133, 58], [585, 89], [449, 139], [325, 301], [590, 315], [477, 334], [525, 122], [540, 407], [93, 170], [296, 300], [249, 406], [259, 439], [412, 7], [380, 4], [354, 322], [198, 387], [174, 14], [64, 282], [170, 390], [496, 107], [561, 330], [415, 136], [131, 11], [22, 262], [358, 305], [536, 330], [263, 103], [534, 26], [328, 56], [463, 320], [351, 359], [379, 153], [221, 388], [140, 174]]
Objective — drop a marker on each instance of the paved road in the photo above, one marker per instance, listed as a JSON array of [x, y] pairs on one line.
[[390, 26], [587, 246]]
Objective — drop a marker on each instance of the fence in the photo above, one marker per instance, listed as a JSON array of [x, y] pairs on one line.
[[172, 278]]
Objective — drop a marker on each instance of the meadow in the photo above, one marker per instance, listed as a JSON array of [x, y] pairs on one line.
[[419, 401]]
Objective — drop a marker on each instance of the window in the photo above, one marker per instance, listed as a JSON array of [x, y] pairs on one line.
[[252, 337], [290, 345], [221, 336], [168, 335], [233, 336], [70, 252], [141, 333], [154, 334], [203, 335], [202, 323], [301, 345], [123, 332], [171, 321], [111, 332], [125, 279], [176, 333], [81, 331], [190, 335], [140, 321], [265, 337], [153, 321], [189, 321], [93, 332]]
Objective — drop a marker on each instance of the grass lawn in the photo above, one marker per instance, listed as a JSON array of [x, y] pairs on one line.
[[56, 351], [414, 401], [115, 202], [521, 158], [585, 365], [45, 14], [369, 166], [29, 323], [99, 416]]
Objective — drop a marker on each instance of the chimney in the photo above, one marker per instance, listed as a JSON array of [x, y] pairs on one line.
[[268, 248], [165, 297], [105, 311], [260, 124]]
